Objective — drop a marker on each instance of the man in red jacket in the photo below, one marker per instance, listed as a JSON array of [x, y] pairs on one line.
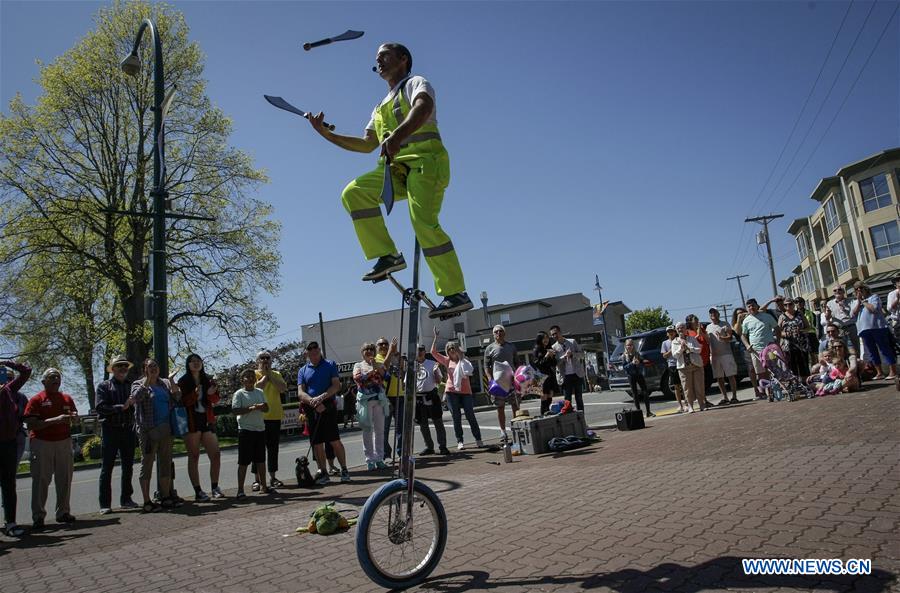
[[49, 416]]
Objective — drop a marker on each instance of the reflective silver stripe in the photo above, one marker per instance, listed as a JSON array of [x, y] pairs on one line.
[[439, 250], [421, 138], [398, 112], [365, 213]]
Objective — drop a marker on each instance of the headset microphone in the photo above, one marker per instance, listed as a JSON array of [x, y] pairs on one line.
[[374, 68]]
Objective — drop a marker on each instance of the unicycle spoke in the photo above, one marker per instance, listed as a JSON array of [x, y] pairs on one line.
[[398, 551]]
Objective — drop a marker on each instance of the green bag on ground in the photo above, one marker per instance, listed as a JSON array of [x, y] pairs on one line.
[[327, 519]]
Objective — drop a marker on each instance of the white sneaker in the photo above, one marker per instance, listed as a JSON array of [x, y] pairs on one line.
[[217, 493], [690, 410], [460, 446], [105, 511]]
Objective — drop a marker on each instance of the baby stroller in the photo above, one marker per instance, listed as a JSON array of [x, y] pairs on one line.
[[783, 383]]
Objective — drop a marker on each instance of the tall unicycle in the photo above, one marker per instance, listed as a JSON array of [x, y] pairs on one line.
[[402, 528]]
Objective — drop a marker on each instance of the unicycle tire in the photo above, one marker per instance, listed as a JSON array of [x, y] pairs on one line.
[[385, 555]]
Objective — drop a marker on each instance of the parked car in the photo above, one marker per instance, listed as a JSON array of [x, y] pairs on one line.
[[656, 370]]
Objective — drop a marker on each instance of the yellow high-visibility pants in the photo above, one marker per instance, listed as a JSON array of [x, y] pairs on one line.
[[423, 187]]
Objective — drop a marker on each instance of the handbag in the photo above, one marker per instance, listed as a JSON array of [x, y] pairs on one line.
[[178, 421]]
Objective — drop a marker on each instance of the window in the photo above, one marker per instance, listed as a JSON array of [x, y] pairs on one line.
[[885, 239], [806, 281], [875, 193], [803, 245], [862, 241], [504, 318], [827, 268], [841, 261], [459, 328], [831, 215]]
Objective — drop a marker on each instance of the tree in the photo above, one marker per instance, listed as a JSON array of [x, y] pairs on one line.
[[287, 358], [83, 152], [646, 319]]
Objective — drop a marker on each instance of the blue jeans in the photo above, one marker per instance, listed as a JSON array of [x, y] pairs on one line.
[[458, 403], [115, 441], [875, 340], [397, 408]]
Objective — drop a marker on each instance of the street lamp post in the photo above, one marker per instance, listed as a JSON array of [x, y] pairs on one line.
[[132, 66], [599, 290], [484, 302]]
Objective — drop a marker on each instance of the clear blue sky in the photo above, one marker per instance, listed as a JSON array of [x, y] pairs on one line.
[[628, 140]]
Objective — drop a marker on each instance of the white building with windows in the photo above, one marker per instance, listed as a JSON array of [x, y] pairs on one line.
[[854, 233]]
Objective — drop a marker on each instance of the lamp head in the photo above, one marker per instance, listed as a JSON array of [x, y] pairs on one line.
[[131, 65]]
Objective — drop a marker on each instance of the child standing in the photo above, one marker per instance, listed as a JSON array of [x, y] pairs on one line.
[[249, 405]]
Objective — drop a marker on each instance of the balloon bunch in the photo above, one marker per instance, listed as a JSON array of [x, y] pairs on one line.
[[502, 383]]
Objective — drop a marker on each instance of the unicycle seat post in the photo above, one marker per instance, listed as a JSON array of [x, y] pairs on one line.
[[407, 461]]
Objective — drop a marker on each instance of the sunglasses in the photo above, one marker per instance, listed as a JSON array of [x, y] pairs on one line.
[[369, 350], [265, 358]]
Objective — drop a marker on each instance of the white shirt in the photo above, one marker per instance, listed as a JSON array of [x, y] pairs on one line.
[[839, 312], [426, 375], [687, 346], [893, 305], [412, 88]]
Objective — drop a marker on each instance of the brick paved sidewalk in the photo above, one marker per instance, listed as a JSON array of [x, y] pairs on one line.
[[670, 508]]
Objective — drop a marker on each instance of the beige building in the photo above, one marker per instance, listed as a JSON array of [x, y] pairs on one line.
[[854, 232]]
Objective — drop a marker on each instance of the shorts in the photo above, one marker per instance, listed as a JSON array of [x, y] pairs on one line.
[[724, 366], [251, 447], [674, 377], [513, 398], [201, 422], [323, 427], [757, 364]]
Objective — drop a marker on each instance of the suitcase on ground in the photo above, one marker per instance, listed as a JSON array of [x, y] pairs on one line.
[[630, 420]]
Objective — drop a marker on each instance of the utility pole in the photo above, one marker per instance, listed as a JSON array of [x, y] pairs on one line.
[[322, 334], [740, 288], [605, 361], [764, 220], [724, 310]]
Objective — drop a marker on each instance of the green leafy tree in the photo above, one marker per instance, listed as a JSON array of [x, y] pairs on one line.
[[646, 319], [287, 358], [83, 152]]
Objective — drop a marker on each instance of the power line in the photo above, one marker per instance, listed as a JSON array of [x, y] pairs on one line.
[[822, 105], [803, 109], [791, 134], [844, 102]]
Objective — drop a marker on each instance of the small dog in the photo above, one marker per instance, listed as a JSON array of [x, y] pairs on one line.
[[304, 478]]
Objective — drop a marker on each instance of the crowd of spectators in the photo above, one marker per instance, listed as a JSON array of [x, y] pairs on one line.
[[833, 345]]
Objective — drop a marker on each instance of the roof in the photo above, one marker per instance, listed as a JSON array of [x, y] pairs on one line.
[[868, 162], [798, 224], [501, 307], [822, 189]]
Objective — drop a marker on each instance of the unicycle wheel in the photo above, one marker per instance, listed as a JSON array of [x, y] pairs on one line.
[[391, 553]]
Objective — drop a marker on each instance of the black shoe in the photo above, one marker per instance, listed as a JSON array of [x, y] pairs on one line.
[[384, 266], [427, 451], [452, 305], [444, 451]]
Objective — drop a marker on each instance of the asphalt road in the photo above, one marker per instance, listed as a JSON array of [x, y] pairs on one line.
[[600, 412]]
